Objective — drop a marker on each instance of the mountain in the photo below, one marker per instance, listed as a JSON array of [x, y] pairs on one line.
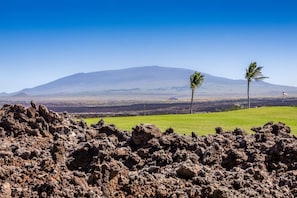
[[151, 80], [144, 78]]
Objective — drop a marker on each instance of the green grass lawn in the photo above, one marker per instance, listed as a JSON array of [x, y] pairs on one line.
[[205, 123]]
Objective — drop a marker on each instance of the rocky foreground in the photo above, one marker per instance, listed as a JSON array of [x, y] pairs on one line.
[[45, 154]]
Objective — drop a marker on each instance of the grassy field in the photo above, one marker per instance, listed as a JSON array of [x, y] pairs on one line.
[[206, 123]]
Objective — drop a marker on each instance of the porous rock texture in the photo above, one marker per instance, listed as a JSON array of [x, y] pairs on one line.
[[45, 154]]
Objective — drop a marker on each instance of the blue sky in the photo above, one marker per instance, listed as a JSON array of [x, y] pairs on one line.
[[41, 41]]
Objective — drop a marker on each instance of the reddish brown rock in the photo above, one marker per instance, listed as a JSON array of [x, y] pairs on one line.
[[45, 154], [142, 133]]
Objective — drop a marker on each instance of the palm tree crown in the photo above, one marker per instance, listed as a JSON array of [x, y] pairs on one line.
[[196, 80], [253, 72]]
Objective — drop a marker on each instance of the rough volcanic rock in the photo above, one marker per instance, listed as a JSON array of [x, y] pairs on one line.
[[45, 154], [144, 132]]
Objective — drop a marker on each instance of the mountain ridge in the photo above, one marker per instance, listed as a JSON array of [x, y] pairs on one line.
[[154, 80]]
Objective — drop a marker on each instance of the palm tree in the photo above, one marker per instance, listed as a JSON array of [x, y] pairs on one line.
[[253, 72], [196, 79]]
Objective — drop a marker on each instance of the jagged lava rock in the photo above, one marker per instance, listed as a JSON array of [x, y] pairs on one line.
[[142, 133], [46, 154]]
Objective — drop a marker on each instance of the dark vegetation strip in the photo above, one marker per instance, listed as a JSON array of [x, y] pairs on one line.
[[169, 108]]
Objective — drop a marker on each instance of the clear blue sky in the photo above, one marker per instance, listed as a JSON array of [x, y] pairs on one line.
[[43, 40]]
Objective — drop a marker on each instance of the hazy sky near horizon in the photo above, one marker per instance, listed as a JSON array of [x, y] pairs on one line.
[[41, 41]]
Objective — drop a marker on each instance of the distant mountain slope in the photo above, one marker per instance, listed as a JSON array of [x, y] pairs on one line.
[[152, 77], [151, 80]]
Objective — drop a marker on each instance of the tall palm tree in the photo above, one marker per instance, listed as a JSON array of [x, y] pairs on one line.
[[196, 80], [253, 72]]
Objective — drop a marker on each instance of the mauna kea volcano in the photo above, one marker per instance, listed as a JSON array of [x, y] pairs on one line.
[[150, 80]]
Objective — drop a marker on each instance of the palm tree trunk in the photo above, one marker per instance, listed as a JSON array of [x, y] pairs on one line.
[[248, 93], [192, 101]]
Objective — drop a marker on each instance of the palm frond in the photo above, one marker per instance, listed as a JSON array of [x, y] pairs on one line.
[[254, 72], [196, 79], [260, 78]]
